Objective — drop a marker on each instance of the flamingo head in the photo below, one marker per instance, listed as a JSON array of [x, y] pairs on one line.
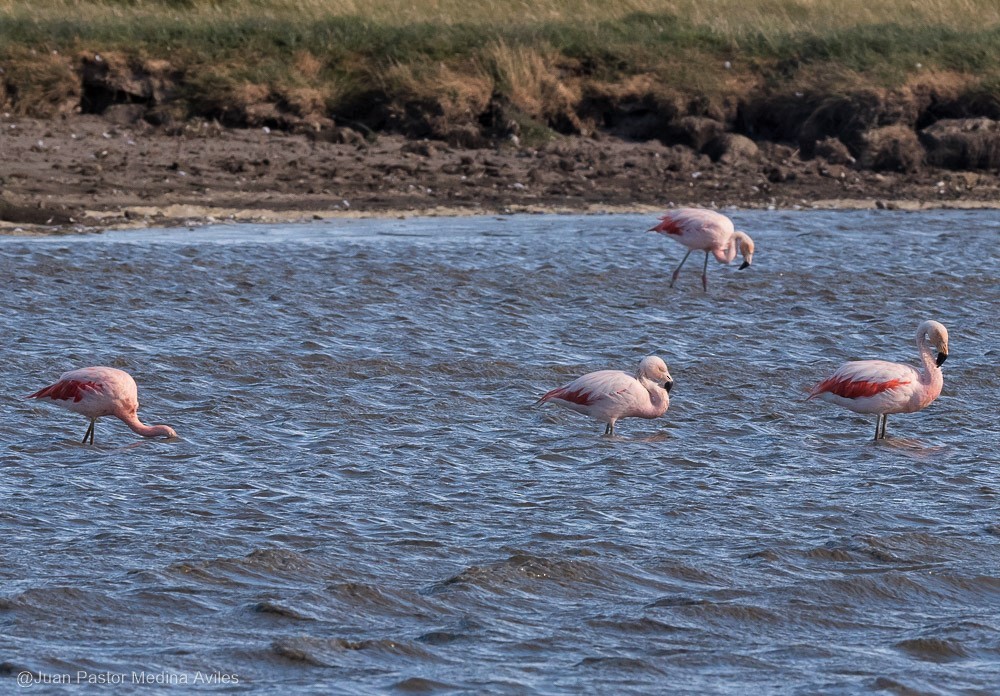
[[164, 430], [654, 369], [935, 334], [745, 246]]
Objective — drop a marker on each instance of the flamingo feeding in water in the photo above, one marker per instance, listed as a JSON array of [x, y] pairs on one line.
[[705, 230], [101, 391], [880, 387], [608, 395]]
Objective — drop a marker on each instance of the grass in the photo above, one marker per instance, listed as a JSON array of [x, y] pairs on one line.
[[453, 56]]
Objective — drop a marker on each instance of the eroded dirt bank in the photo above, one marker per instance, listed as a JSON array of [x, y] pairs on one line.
[[90, 171]]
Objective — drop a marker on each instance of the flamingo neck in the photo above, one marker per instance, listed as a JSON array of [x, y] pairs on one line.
[[734, 246], [932, 373], [659, 399], [727, 253], [140, 428]]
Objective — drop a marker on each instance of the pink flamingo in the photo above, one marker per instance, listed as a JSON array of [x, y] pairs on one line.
[[607, 395], [708, 231], [101, 391], [880, 387]]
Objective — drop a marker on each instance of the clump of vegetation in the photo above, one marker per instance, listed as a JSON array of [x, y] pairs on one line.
[[451, 69]]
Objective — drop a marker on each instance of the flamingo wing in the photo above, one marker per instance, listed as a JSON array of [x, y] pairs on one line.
[[865, 378], [592, 387], [74, 390], [692, 221], [668, 225]]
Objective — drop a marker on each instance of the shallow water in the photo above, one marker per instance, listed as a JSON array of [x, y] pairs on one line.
[[363, 498]]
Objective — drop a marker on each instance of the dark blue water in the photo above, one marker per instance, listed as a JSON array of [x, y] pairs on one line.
[[362, 498]]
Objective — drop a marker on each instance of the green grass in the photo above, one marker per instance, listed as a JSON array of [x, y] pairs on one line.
[[400, 46]]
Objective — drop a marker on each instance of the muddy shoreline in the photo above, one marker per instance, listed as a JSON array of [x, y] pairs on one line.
[[88, 172]]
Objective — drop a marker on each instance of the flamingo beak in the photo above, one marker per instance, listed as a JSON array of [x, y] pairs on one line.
[[746, 264], [668, 385], [941, 358]]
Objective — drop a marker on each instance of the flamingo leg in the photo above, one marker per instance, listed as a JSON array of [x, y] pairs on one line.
[[880, 426], [885, 419], [677, 270], [704, 274], [90, 432], [610, 430]]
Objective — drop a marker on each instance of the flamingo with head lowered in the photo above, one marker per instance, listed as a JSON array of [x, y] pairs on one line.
[[101, 391], [609, 395], [880, 387], [705, 230]]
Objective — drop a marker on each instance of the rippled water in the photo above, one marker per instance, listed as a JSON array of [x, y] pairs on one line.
[[364, 499]]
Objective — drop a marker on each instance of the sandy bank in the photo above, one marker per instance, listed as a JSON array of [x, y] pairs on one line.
[[84, 172]]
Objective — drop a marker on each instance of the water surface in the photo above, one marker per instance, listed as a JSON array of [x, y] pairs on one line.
[[363, 499]]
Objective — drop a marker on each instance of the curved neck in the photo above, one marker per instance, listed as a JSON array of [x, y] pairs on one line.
[[140, 428], [736, 239], [727, 253], [658, 396], [932, 372]]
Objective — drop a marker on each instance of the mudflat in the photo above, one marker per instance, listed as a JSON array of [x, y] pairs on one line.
[[86, 171]]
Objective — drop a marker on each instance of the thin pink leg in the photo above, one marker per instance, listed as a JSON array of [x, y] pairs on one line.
[[673, 278]]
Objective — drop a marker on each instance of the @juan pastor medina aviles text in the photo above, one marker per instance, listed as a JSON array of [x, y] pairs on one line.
[[153, 678]]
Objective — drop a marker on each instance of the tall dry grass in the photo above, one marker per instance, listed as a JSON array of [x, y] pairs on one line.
[[732, 19]]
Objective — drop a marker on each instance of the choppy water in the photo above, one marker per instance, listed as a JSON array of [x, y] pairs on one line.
[[362, 498]]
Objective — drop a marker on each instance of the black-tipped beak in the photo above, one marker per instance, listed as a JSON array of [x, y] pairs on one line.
[[941, 358], [668, 385], [745, 264]]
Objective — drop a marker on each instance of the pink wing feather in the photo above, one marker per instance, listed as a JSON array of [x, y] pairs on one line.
[[591, 387], [690, 220], [668, 226], [67, 390], [864, 378]]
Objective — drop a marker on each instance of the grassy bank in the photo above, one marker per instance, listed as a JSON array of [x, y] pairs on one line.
[[429, 67]]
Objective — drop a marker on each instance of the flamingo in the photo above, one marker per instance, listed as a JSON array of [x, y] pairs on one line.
[[101, 391], [608, 395], [880, 387], [708, 231]]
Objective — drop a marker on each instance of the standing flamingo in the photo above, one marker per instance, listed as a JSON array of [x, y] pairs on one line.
[[708, 231], [101, 391], [608, 395], [880, 387]]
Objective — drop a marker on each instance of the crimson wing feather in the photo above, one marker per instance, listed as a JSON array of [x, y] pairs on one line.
[[865, 378], [67, 390], [591, 387]]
